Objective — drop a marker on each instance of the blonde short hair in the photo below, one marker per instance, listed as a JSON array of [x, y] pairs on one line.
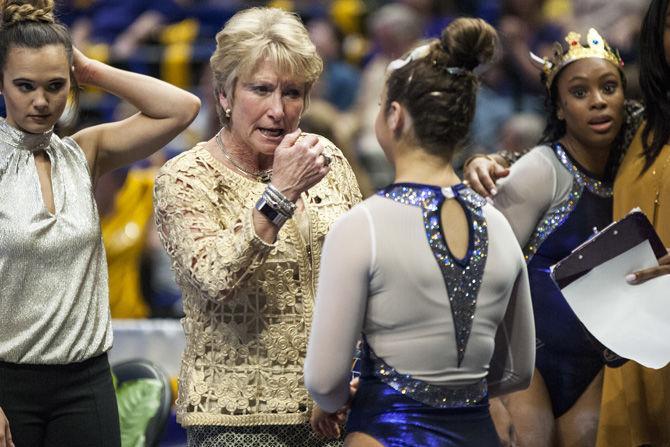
[[257, 34]]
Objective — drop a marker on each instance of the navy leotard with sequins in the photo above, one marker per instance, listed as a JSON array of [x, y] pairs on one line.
[[567, 356], [399, 410]]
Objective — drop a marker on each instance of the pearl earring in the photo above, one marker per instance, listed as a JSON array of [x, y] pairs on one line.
[[228, 113]]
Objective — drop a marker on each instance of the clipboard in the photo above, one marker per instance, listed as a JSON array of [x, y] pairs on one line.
[[610, 242]]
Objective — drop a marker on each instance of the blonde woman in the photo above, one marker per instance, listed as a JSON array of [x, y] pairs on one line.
[[243, 217]]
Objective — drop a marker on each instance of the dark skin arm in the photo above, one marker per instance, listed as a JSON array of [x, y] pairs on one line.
[[641, 276]]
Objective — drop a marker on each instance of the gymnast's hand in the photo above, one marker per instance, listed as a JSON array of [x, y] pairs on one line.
[[5, 434], [502, 420], [327, 424], [481, 173], [641, 276]]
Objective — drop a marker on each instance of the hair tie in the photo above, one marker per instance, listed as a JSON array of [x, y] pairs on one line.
[[454, 71], [417, 53]]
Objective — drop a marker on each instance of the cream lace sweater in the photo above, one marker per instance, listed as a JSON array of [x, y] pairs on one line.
[[248, 304]]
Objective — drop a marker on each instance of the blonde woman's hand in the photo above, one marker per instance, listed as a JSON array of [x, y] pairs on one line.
[[5, 434], [298, 164]]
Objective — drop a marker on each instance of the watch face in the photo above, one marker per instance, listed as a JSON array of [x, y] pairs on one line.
[[273, 215]]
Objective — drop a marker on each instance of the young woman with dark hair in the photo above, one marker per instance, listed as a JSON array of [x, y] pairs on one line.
[[435, 280], [55, 382]]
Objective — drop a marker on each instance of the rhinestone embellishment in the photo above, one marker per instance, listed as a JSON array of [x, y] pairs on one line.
[[462, 277]]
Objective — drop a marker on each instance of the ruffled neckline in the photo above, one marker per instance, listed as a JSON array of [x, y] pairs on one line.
[[33, 142]]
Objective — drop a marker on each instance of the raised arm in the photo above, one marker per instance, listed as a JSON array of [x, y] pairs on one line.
[[164, 111], [513, 360], [340, 309]]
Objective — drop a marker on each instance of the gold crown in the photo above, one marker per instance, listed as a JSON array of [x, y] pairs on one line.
[[596, 47]]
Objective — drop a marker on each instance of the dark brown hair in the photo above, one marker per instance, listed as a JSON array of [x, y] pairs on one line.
[[654, 81], [440, 90], [31, 24]]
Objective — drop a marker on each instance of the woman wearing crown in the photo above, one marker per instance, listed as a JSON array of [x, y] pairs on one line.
[[554, 197]]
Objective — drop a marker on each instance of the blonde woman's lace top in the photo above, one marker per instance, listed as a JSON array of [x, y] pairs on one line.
[[53, 274], [248, 303]]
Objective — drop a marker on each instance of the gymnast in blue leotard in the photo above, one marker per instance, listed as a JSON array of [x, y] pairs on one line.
[[429, 272], [554, 198]]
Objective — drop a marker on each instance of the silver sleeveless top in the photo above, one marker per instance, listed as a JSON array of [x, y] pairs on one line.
[[53, 273]]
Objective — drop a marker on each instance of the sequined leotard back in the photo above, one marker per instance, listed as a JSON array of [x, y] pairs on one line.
[[429, 319]]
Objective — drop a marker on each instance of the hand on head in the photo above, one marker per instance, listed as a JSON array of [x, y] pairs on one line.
[[298, 164], [81, 66]]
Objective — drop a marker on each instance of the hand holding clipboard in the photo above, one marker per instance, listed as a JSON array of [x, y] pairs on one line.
[[631, 320], [614, 240]]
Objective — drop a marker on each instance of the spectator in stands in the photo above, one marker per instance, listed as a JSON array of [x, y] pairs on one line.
[[510, 85], [521, 132], [121, 25], [436, 14], [339, 82], [395, 29], [620, 21], [323, 119], [125, 202]]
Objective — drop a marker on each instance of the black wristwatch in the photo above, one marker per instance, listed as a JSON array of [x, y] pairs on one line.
[[273, 215]]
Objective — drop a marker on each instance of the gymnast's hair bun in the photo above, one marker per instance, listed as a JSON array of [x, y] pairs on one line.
[[469, 42], [17, 11]]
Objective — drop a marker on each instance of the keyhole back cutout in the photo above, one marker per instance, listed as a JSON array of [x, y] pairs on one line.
[[455, 228]]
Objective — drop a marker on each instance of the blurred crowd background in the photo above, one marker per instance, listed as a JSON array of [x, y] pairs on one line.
[[173, 39]]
